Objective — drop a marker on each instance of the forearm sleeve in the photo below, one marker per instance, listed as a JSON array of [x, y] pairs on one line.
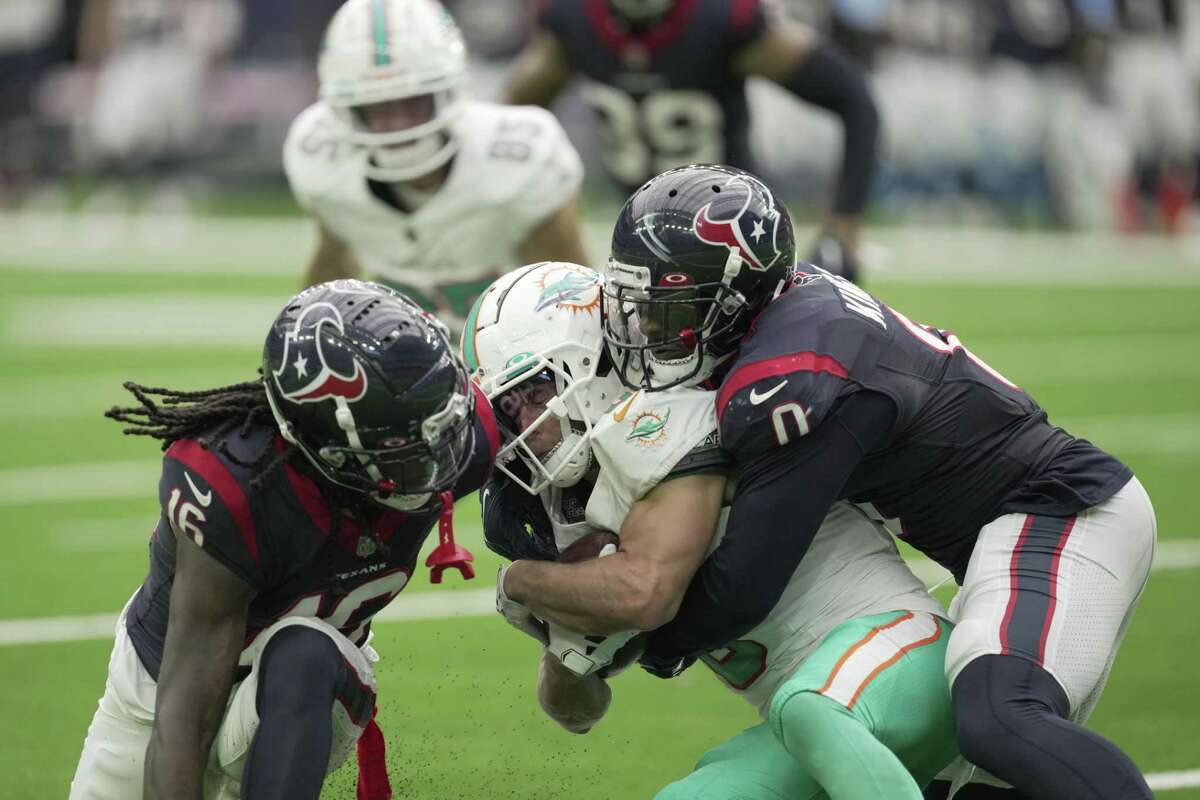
[[782, 500], [827, 78]]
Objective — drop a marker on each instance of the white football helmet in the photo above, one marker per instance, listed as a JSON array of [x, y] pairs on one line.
[[376, 51], [537, 324]]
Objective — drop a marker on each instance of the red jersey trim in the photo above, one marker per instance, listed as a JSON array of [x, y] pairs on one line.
[[780, 365], [206, 464], [483, 410], [307, 493], [743, 12], [611, 32]]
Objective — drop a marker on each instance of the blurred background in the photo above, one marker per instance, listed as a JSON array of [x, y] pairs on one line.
[[1037, 193], [1069, 113]]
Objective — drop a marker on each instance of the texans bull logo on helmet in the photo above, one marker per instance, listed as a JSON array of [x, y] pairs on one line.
[[749, 232], [313, 367]]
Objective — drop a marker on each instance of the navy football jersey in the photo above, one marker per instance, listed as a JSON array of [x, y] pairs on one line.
[[1036, 32], [966, 446], [279, 537], [668, 95]]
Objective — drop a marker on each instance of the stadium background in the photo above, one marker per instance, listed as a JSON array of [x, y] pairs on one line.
[[1036, 196]]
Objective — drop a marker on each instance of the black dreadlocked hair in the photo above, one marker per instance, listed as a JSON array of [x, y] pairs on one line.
[[214, 412]]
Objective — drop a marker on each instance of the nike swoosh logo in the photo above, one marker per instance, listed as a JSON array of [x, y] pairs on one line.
[[619, 414], [756, 398], [204, 498], [486, 492]]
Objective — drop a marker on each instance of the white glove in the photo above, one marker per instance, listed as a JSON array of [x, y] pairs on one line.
[[582, 654], [516, 614]]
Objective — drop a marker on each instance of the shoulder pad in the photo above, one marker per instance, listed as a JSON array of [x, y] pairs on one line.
[[810, 347], [520, 156], [204, 499], [315, 155], [515, 523], [639, 442]]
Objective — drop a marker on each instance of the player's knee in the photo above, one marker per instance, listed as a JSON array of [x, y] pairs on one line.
[[999, 703], [300, 666], [797, 719]]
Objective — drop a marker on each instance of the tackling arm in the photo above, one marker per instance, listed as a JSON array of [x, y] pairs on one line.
[[540, 73], [782, 500], [819, 73], [205, 633], [332, 260], [663, 541]]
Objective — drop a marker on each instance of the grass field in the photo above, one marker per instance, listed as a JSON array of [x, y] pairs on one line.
[[1116, 359]]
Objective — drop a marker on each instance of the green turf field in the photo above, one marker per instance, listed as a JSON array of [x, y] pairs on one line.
[[1118, 362]]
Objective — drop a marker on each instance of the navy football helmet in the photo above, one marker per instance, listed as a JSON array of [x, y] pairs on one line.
[[367, 386], [697, 252]]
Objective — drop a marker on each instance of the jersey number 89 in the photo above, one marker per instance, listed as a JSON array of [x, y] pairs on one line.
[[665, 129]]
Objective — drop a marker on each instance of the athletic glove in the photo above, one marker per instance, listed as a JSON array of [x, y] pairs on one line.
[[516, 614]]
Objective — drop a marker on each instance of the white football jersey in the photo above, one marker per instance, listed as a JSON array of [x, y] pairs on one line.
[[514, 168], [566, 533], [851, 570]]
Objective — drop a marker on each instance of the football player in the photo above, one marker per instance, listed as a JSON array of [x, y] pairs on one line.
[[293, 510], [429, 192], [667, 81], [847, 669], [826, 393]]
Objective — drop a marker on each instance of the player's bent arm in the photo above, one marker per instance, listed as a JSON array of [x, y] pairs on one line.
[[817, 72], [573, 702], [539, 74], [663, 541], [205, 633], [333, 260], [556, 238], [782, 500]]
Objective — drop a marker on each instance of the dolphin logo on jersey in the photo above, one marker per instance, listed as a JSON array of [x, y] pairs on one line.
[[744, 232], [309, 372]]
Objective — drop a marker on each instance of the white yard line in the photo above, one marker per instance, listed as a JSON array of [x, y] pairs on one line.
[[182, 321], [1166, 781], [234, 246], [87, 394], [446, 604]]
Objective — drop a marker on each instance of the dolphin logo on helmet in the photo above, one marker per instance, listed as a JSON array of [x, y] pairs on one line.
[[736, 232], [334, 374]]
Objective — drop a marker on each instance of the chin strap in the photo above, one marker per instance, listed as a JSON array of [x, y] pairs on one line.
[[448, 553], [372, 764]]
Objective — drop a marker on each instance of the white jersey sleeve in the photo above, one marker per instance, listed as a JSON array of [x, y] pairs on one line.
[[641, 441], [315, 157], [521, 161]]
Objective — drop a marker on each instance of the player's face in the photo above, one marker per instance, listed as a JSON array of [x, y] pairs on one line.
[[397, 115], [523, 405], [661, 325]]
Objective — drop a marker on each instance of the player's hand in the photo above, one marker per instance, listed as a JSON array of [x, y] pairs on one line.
[[516, 614], [832, 254]]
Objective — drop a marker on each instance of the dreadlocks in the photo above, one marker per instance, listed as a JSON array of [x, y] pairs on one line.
[[213, 412]]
